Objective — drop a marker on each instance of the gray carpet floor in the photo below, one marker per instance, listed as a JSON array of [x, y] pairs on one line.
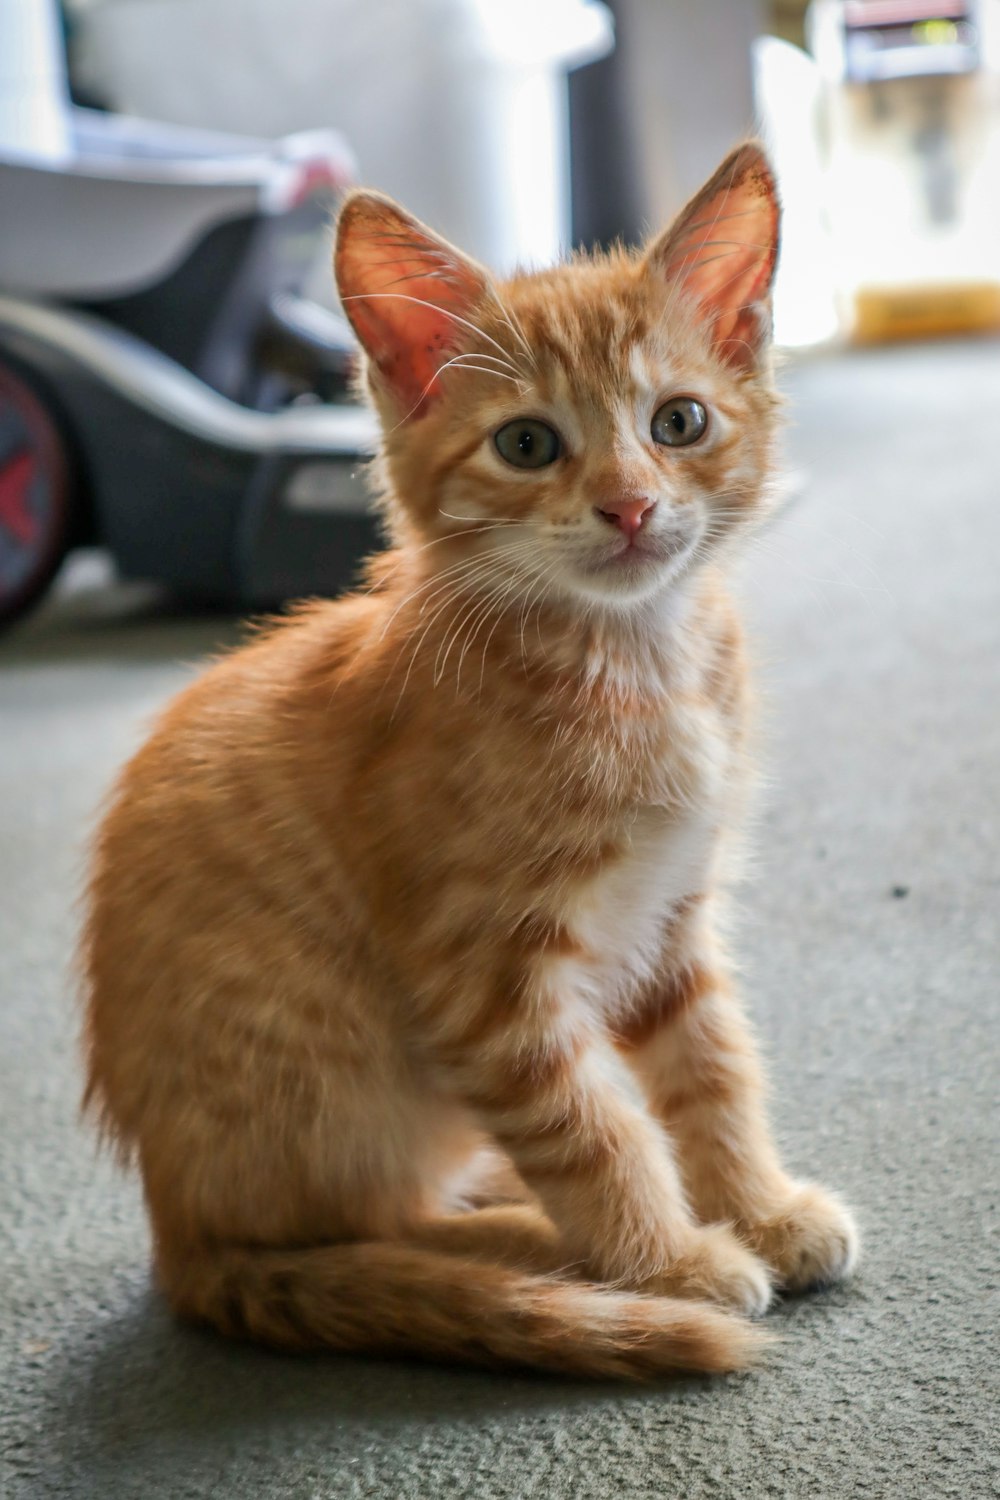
[[871, 948]]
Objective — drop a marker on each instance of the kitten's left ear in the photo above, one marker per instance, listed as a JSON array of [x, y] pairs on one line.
[[723, 247]]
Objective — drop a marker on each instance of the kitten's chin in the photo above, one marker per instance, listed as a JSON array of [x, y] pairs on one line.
[[632, 575]]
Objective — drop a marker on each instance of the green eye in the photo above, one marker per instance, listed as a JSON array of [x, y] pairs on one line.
[[527, 444], [679, 422]]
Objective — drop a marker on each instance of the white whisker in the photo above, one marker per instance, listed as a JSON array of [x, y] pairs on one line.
[[506, 556], [510, 520], [515, 328], [422, 302], [457, 568], [462, 362]]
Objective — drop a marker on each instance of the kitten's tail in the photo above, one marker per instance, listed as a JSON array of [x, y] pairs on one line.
[[390, 1297]]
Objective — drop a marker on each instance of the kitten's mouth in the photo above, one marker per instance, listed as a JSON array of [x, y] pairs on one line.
[[637, 567], [641, 554]]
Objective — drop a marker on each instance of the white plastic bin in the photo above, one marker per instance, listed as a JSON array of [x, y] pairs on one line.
[[456, 107], [33, 94]]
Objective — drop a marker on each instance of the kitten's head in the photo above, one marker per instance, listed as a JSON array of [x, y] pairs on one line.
[[597, 428]]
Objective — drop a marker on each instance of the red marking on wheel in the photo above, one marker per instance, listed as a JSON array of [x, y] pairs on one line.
[[15, 482]]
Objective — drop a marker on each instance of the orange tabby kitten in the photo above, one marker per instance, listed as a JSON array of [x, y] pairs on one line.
[[403, 981]]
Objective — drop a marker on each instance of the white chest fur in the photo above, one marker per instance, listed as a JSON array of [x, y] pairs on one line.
[[666, 849], [684, 766], [619, 916]]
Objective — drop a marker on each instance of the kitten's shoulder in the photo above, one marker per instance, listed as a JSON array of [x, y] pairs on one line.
[[286, 663], [314, 632]]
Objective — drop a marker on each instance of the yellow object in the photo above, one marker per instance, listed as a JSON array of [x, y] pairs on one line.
[[919, 311]]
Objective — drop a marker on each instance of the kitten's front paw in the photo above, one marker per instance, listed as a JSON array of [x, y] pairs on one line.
[[714, 1266], [812, 1241]]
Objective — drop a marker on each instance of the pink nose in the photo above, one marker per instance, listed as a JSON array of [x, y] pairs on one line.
[[628, 513]]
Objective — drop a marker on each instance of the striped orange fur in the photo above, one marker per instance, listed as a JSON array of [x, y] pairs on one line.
[[402, 979]]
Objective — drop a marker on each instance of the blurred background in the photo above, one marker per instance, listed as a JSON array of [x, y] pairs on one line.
[[173, 368], [178, 448]]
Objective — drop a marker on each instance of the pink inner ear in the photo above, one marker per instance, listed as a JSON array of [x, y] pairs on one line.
[[723, 250], [406, 294]]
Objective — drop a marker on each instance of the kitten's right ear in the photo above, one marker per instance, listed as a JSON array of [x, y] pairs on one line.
[[408, 294], [722, 250]]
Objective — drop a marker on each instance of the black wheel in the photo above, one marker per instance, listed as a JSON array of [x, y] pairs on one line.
[[35, 497]]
